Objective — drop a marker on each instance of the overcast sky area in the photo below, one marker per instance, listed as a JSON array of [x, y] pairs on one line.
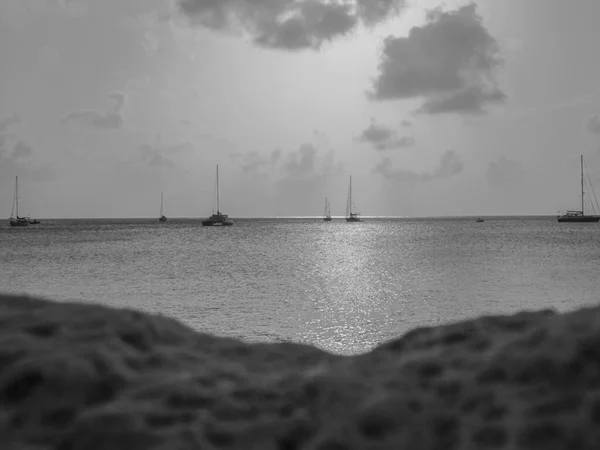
[[434, 108]]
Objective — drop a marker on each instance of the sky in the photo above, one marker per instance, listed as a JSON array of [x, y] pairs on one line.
[[435, 108]]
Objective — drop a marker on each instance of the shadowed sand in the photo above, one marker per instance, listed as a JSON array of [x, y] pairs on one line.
[[77, 376]]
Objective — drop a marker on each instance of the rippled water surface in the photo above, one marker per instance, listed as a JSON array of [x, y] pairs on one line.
[[343, 287]]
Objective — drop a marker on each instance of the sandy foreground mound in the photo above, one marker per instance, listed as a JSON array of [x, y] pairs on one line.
[[76, 376]]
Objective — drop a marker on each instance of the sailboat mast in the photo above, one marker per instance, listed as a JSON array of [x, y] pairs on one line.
[[582, 185], [218, 190], [17, 194], [161, 204], [350, 199]]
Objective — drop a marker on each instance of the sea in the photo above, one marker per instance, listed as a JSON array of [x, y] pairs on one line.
[[343, 287]]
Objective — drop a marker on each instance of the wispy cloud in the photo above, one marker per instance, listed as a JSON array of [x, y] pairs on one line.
[[450, 164], [253, 161], [305, 163], [160, 155], [289, 24], [450, 62], [16, 155], [593, 124], [382, 137], [110, 119], [9, 121]]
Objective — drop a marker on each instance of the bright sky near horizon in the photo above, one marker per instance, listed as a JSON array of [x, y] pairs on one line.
[[435, 108]]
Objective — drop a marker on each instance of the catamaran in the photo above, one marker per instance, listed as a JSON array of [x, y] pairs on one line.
[[219, 219], [162, 217], [351, 216], [580, 216], [15, 220], [327, 216]]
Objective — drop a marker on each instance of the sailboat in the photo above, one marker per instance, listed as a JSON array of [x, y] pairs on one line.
[[327, 216], [15, 220], [162, 217], [218, 219], [579, 216], [351, 216]]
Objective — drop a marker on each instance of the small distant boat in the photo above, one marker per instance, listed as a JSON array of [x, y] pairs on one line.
[[219, 219], [34, 222], [327, 216], [579, 216], [162, 217], [479, 219], [351, 216], [15, 220]]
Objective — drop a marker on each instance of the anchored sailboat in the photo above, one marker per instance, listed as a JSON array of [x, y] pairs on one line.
[[327, 216], [580, 216], [162, 217], [351, 216], [217, 219], [15, 220]]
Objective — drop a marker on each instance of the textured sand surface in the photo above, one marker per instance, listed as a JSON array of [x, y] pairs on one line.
[[75, 376]]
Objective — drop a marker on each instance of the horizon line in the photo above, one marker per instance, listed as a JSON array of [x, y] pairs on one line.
[[302, 217]]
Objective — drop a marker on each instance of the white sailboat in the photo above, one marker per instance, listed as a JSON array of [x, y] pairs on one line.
[[219, 219], [162, 217], [580, 216], [351, 216], [15, 220], [327, 215]]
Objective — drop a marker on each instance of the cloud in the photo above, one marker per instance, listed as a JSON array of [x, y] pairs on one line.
[[406, 123], [22, 150], [161, 155], [450, 164], [450, 62], [305, 163], [253, 161], [504, 171], [382, 137], [9, 121], [289, 24], [593, 124], [101, 119], [15, 156]]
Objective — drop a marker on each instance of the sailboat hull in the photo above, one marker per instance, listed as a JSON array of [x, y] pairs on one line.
[[217, 223], [353, 219], [327, 219], [19, 223], [579, 219]]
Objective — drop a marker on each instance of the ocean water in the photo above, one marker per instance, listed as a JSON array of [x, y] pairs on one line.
[[342, 287]]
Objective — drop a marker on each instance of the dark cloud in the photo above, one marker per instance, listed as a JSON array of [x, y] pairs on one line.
[[406, 123], [450, 62], [382, 137], [593, 124], [289, 24], [450, 164], [101, 119], [504, 171], [162, 155]]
